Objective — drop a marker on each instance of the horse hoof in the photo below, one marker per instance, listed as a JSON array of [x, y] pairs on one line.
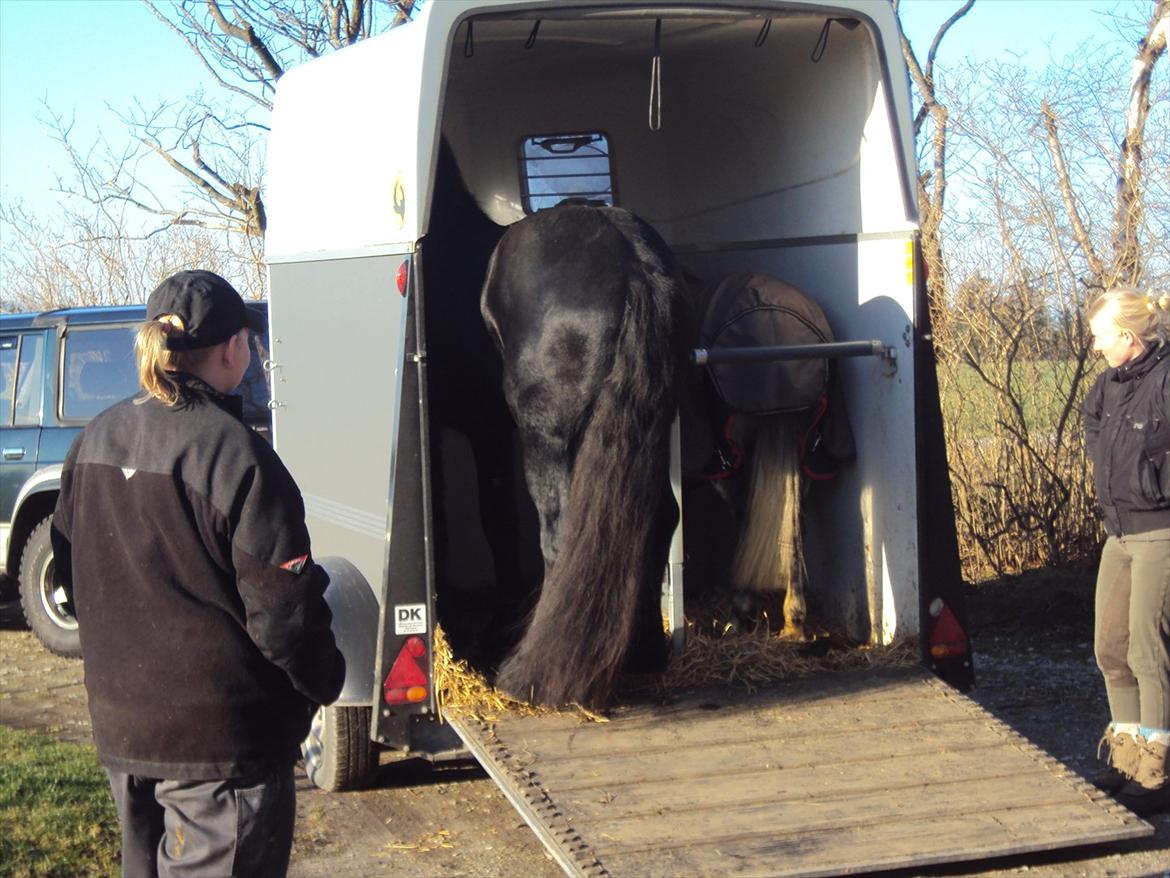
[[796, 632]]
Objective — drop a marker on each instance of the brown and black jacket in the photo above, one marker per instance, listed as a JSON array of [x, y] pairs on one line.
[[204, 631]]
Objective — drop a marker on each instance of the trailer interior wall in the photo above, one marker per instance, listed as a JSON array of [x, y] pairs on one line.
[[760, 150]]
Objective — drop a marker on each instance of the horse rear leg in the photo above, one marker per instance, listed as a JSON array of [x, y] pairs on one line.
[[769, 556], [648, 652], [547, 471]]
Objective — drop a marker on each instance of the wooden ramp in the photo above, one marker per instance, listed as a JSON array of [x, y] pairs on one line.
[[840, 774]]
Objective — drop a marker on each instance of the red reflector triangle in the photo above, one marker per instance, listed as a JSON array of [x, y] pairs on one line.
[[405, 672], [947, 630]]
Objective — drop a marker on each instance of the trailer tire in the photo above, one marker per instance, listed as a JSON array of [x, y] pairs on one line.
[[47, 607], [338, 753]]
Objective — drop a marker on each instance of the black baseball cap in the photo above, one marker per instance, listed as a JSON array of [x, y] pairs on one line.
[[210, 308]]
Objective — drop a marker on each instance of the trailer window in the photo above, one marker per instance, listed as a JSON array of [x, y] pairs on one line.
[[555, 167]]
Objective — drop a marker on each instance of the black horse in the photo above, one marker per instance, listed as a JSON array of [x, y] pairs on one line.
[[588, 309]]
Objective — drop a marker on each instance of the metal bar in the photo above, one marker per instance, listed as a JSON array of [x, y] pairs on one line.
[[526, 796], [775, 353]]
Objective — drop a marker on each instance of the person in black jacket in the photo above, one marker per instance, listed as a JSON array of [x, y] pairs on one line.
[[1127, 436], [204, 630]]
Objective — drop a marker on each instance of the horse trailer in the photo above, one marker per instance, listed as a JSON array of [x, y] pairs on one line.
[[755, 136]]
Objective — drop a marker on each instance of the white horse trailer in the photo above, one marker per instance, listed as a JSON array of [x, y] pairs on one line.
[[770, 136]]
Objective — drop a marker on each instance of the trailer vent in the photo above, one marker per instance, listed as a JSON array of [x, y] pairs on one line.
[[557, 167]]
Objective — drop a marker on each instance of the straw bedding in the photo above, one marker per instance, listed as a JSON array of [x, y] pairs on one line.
[[716, 653]]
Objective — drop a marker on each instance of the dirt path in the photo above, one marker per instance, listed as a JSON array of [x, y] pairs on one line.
[[413, 821], [1035, 672]]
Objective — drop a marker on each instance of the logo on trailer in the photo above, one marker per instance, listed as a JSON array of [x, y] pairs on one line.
[[410, 619], [398, 202]]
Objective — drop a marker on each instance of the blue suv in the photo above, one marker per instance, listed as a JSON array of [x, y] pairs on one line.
[[57, 370]]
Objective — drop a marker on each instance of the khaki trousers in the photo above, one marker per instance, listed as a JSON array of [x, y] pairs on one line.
[[1132, 627]]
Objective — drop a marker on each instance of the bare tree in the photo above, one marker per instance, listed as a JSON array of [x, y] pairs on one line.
[[1057, 205], [214, 144], [932, 175], [1125, 266], [88, 258]]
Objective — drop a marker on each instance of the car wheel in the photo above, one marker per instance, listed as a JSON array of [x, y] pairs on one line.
[[338, 753], [47, 604]]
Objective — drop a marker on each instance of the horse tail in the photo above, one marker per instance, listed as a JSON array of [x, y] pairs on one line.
[[768, 556], [620, 510]]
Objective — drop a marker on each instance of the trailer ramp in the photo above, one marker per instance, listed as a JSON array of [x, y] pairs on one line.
[[839, 774]]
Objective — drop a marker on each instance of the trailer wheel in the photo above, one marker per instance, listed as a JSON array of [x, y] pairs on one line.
[[48, 607], [338, 753]]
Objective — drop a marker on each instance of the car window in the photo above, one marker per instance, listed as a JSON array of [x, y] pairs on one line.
[[7, 376], [97, 370], [29, 380], [254, 388]]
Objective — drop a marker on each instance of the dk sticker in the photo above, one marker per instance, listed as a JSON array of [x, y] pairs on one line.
[[410, 618]]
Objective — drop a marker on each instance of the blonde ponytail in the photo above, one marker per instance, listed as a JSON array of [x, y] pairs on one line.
[[157, 365], [1145, 315]]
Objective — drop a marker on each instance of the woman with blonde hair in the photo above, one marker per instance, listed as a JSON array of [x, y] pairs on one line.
[[204, 629], [1127, 436]]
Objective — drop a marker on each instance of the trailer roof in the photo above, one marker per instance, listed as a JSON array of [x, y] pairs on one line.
[[355, 133]]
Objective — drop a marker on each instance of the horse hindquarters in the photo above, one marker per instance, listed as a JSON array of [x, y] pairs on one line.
[[599, 603], [607, 531]]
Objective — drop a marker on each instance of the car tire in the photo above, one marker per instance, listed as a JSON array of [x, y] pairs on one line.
[[47, 606], [338, 752]]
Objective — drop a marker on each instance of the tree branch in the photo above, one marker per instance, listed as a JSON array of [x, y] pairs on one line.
[[1127, 265], [246, 34], [1067, 196]]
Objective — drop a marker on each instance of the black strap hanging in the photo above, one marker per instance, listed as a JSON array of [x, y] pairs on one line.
[[531, 41], [818, 51], [655, 113], [469, 41], [762, 36]]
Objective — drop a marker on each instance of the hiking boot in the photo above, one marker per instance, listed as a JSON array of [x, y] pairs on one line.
[[1149, 791], [1122, 760]]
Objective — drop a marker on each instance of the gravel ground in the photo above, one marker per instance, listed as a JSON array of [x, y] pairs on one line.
[[1035, 671], [1033, 640]]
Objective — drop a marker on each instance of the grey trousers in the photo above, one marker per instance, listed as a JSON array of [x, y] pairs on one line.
[[1132, 628], [209, 829]]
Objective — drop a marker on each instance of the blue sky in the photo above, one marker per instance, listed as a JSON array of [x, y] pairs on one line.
[[82, 56], [79, 57]]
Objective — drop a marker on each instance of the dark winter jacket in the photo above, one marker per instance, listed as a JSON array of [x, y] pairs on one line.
[[204, 629], [1127, 434]]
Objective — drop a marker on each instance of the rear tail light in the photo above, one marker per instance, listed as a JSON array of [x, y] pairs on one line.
[[407, 682], [401, 278], [947, 637]]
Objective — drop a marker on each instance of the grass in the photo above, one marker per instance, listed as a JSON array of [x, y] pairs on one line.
[[57, 818], [1041, 386]]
